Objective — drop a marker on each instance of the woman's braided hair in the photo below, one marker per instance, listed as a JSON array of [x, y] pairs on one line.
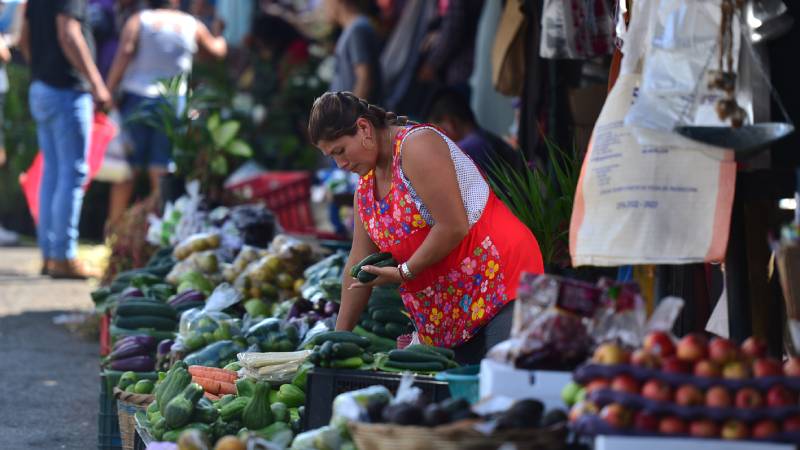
[[334, 115]]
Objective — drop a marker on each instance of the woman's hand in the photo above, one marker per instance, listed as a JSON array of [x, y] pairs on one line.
[[386, 275]]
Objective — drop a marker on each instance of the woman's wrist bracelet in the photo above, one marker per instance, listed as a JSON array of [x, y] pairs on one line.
[[405, 273]]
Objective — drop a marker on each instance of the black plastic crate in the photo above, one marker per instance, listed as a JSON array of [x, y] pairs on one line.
[[108, 437], [325, 384]]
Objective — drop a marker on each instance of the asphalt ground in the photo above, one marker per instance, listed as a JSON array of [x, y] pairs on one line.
[[49, 383]]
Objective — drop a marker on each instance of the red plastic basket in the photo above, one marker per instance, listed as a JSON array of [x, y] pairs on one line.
[[287, 194]]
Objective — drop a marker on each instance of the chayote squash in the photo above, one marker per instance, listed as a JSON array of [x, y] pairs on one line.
[[204, 411], [257, 414], [178, 411]]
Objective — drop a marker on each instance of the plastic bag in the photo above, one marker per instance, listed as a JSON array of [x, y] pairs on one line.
[[352, 406], [195, 243], [576, 29], [273, 335], [679, 43], [274, 367], [246, 255], [215, 354], [622, 316], [202, 326], [325, 438], [206, 263]]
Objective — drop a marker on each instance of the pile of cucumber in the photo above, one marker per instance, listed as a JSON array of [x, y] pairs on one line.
[[385, 315], [420, 358], [340, 350], [382, 259], [140, 313]]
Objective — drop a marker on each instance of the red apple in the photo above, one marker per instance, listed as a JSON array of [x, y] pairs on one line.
[[765, 428], [706, 368], [643, 358], [703, 428], [659, 343], [718, 397], [722, 350], [645, 421], [692, 348], [616, 415], [748, 397], [625, 383], [734, 429], [779, 395], [736, 370], [657, 390], [610, 353], [671, 425], [597, 383], [791, 368], [791, 423], [754, 347], [675, 365], [767, 367], [689, 395]]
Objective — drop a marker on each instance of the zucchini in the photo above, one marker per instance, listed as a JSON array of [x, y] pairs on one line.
[[341, 336], [366, 277], [370, 260], [343, 350], [446, 352], [145, 322], [415, 366], [411, 356], [387, 315], [377, 343], [368, 324], [133, 308]]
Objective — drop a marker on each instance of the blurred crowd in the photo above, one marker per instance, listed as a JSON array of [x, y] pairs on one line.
[[415, 57]]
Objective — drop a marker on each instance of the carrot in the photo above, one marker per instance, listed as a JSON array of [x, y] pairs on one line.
[[215, 386], [211, 396], [213, 373]]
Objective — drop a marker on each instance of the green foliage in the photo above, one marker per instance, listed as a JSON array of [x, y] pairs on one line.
[[20, 140], [203, 144], [542, 199]]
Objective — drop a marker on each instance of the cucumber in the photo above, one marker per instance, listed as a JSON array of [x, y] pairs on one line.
[[369, 261], [136, 308], [377, 343], [341, 336], [144, 322], [411, 356], [326, 350], [366, 277], [446, 352], [343, 350], [380, 329], [415, 366], [368, 324], [393, 330], [354, 362], [387, 315]]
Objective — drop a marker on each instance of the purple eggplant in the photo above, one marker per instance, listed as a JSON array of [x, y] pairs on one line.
[[143, 340], [331, 308], [130, 292], [128, 350], [187, 296], [141, 363], [164, 347]]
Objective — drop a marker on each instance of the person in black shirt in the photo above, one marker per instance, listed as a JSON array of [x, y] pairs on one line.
[[449, 110], [57, 41]]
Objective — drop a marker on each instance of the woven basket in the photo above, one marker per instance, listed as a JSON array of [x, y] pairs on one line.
[[127, 406], [456, 436]]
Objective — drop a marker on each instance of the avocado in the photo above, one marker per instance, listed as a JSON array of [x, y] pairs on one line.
[[436, 415], [523, 414], [554, 416], [375, 407]]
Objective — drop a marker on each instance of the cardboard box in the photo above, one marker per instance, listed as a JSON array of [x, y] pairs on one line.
[[659, 443], [503, 380]]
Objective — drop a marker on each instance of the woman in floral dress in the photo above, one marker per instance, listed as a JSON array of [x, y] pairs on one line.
[[461, 250]]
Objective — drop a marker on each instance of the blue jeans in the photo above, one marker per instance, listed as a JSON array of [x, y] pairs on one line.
[[63, 125], [151, 146]]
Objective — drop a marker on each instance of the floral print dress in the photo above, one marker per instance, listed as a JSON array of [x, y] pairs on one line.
[[451, 300]]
